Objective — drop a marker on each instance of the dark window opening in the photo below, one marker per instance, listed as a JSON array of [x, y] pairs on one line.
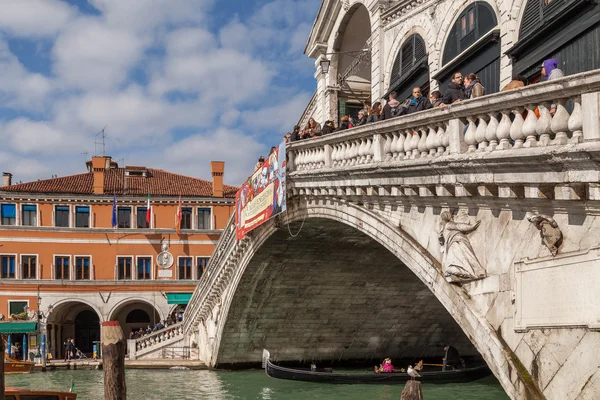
[[144, 265], [186, 218], [82, 268], [8, 267], [28, 267], [29, 215], [141, 217], [82, 217], [9, 214], [204, 216], [124, 268], [61, 267], [124, 217], [137, 317], [61, 216], [201, 264], [185, 267]]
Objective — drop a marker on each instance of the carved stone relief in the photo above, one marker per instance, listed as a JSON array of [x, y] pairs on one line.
[[549, 231], [459, 262]]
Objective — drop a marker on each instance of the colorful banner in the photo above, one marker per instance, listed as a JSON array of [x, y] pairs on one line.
[[262, 196]]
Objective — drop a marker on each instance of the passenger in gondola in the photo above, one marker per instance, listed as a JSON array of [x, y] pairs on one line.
[[451, 358], [385, 367]]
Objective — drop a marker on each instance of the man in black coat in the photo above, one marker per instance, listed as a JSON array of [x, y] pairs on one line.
[[455, 91], [451, 358], [416, 103]]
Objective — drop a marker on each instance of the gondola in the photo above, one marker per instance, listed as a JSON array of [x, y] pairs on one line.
[[12, 366], [439, 376]]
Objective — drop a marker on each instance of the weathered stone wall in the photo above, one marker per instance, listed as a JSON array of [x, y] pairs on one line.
[[333, 293]]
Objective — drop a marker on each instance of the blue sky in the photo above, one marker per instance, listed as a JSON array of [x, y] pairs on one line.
[[178, 83]]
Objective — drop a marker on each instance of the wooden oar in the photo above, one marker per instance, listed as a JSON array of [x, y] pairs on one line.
[[434, 365]]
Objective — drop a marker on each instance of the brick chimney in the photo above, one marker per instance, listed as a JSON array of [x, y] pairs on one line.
[[6, 179], [99, 166], [217, 168]]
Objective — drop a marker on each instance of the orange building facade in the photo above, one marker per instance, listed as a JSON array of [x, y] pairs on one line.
[[60, 254]]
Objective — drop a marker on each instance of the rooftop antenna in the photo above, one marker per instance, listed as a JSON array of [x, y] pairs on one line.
[[100, 140]]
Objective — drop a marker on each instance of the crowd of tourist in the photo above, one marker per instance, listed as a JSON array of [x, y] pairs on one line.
[[172, 320], [459, 89]]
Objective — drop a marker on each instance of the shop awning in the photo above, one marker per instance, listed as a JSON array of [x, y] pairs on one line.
[[178, 298], [7, 328]]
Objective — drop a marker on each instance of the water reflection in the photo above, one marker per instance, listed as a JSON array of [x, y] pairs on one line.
[[220, 385]]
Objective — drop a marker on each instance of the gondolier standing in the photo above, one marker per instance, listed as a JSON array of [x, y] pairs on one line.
[[451, 357]]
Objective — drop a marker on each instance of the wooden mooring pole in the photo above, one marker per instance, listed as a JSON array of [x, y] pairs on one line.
[[412, 391], [114, 348]]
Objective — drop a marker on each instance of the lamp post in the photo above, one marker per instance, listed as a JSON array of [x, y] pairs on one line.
[[325, 63]]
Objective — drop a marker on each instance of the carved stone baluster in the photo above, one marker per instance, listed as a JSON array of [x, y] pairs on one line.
[[490, 132], [395, 137], [503, 132], [400, 145], [446, 141], [576, 122], [349, 151], [354, 152], [529, 127], [470, 138], [431, 140], [369, 151], [439, 137], [408, 144], [334, 153], [345, 154], [480, 133], [362, 154], [322, 157], [516, 129], [560, 123], [414, 144], [543, 126], [387, 147]]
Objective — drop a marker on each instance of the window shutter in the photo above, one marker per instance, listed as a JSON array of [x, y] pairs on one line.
[[532, 16]]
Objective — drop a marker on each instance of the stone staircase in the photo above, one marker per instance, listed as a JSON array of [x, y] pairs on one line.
[[169, 342]]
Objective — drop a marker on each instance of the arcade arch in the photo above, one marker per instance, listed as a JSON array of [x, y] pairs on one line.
[[134, 314], [410, 68], [73, 319]]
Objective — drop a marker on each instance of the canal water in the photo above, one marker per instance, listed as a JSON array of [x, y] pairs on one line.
[[238, 385]]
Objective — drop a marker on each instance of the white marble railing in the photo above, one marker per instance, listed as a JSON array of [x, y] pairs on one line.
[[214, 274], [156, 338], [504, 121]]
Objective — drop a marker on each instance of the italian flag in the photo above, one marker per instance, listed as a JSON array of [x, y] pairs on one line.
[[148, 212]]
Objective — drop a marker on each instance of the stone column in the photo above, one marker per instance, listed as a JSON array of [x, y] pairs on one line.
[[590, 111], [377, 53]]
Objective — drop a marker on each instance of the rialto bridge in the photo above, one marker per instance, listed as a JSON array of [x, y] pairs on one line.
[[406, 234]]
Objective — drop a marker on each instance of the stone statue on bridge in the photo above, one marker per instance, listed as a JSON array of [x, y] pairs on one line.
[[459, 262]]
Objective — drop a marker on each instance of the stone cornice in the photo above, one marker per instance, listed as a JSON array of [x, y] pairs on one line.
[[402, 8], [80, 199]]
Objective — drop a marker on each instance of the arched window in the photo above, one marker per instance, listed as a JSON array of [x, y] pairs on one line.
[[410, 67], [568, 30], [473, 46], [472, 24], [137, 317]]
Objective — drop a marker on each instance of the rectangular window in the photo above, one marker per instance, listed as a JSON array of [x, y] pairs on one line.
[[144, 265], [471, 19], [124, 217], [463, 25], [9, 214], [186, 218], [185, 267], [82, 217], [82, 268], [141, 217], [17, 307], [8, 267], [61, 216], [62, 267], [124, 268], [29, 215], [204, 218], [28, 267], [201, 263]]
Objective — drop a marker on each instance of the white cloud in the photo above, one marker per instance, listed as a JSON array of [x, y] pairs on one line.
[[33, 18], [34, 137], [90, 54], [18, 87]]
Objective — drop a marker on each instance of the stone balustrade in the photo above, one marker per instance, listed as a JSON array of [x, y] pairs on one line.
[[568, 112], [156, 338]]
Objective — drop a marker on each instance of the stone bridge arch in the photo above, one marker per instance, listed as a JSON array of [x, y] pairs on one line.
[[231, 316]]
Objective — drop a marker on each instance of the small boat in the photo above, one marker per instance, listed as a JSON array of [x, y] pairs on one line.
[[12, 366], [26, 394], [434, 376]]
